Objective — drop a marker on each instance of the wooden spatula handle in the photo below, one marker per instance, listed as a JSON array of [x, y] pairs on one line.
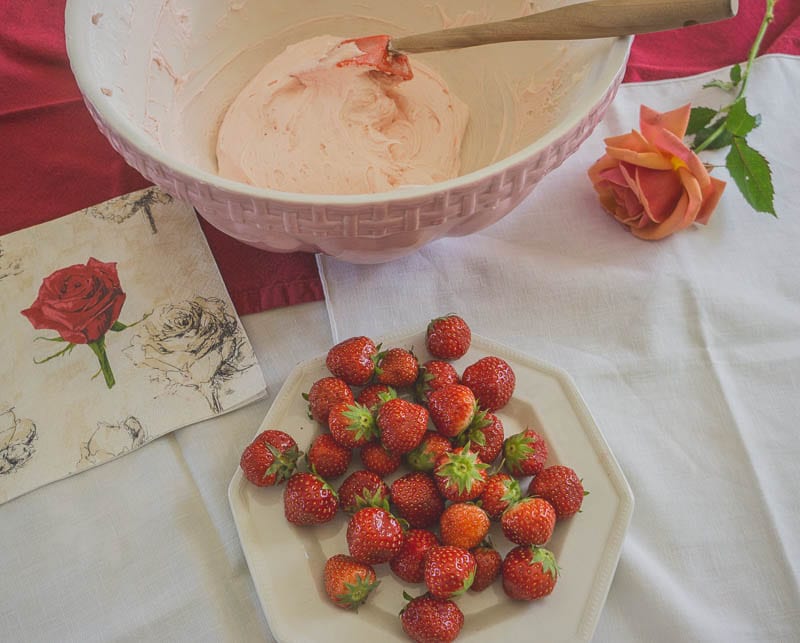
[[596, 19]]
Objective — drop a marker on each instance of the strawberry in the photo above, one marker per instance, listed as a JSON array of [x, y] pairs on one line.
[[452, 409], [396, 367], [378, 460], [500, 493], [309, 500], [363, 489], [492, 380], [561, 487], [489, 562], [417, 500], [448, 337], [449, 571], [402, 425], [270, 458], [529, 521], [409, 563], [351, 360], [485, 435], [433, 374], [351, 425], [327, 458], [460, 475], [525, 453], [423, 458], [464, 525], [374, 395], [529, 572], [323, 394], [426, 619], [348, 583], [374, 535]]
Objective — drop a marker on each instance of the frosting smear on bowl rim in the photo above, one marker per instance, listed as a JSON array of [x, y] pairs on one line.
[[306, 123]]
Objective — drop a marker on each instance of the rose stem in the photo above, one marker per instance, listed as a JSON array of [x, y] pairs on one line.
[[99, 349]]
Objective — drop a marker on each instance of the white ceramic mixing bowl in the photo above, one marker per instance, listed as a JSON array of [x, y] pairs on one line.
[[158, 75]]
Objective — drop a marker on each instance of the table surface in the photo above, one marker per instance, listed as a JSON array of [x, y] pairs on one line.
[[144, 548]]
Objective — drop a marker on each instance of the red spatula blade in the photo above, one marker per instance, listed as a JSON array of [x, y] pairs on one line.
[[378, 56]]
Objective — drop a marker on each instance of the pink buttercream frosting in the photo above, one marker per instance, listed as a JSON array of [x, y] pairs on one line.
[[306, 124]]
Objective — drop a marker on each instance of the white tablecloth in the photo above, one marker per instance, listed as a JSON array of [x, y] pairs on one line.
[[687, 352]]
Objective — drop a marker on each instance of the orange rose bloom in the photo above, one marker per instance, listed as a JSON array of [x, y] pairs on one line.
[[651, 181]]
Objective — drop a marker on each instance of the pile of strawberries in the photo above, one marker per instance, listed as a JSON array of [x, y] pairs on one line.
[[431, 523]]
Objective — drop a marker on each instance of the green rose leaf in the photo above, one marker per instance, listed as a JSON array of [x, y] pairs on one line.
[[740, 122], [752, 174], [699, 117], [723, 139], [736, 74]]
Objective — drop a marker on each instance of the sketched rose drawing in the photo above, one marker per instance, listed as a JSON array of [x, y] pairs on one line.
[[124, 207], [16, 440], [111, 440], [9, 266], [196, 343]]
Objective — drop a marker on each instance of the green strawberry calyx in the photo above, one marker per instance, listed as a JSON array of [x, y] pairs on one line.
[[513, 493], [462, 470], [466, 584], [360, 422], [356, 592], [283, 464], [546, 558], [517, 449], [371, 499]]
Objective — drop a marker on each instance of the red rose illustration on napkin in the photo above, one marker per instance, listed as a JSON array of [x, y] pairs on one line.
[[81, 303]]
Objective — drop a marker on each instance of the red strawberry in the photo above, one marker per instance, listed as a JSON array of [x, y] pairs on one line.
[[348, 583], [378, 460], [492, 380], [431, 620], [460, 475], [270, 458], [327, 458], [561, 487], [417, 500], [409, 563], [363, 489], [464, 525], [374, 535], [402, 425], [529, 521], [396, 367], [309, 500], [525, 453], [489, 562], [485, 435], [500, 493], [529, 572], [423, 458], [452, 409], [323, 394], [448, 337], [351, 425], [374, 395], [449, 571], [351, 360], [433, 374]]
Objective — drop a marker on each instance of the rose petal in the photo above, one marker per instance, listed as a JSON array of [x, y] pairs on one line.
[[659, 192], [710, 200], [675, 121]]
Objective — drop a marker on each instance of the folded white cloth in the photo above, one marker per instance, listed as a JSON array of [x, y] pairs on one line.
[[686, 350]]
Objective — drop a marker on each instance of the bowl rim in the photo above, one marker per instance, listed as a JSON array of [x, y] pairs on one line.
[[81, 66]]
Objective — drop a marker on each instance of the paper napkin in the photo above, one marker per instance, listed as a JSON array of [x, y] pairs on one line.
[[117, 329]]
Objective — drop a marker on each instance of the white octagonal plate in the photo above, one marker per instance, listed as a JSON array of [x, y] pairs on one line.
[[286, 562]]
